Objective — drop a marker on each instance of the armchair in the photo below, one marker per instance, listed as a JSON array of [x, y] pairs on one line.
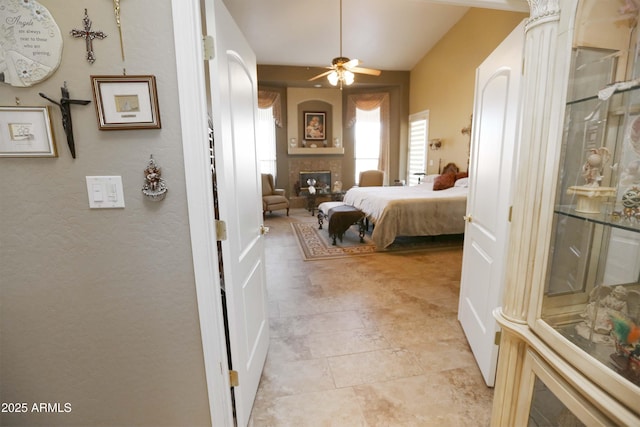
[[371, 178], [272, 198]]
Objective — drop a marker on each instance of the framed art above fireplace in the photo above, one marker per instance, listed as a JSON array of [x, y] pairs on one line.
[[315, 126]]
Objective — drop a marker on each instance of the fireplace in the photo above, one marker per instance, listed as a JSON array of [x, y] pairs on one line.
[[312, 164], [323, 179]]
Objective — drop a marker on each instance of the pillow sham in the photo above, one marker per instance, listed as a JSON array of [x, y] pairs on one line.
[[460, 175], [450, 168], [462, 182], [444, 181], [429, 178]]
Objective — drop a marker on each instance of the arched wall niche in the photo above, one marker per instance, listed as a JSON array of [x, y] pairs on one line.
[[301, 100]]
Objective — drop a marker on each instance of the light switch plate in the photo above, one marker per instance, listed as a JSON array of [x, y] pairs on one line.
[[105, 192]]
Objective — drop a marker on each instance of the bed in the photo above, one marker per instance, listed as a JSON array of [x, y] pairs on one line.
[[411, 211]]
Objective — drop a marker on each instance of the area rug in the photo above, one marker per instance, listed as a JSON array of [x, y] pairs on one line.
[[315, 244]]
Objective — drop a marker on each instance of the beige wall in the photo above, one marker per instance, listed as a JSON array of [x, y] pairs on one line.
[[396, 83], [99, 306], [299, 97], [443, 81]]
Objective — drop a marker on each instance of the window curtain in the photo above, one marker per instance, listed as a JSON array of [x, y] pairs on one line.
[[268, 98], [266, 141], [369, 101]]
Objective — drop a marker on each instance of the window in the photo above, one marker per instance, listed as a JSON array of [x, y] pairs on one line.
[[417, 156], [266, 141], [367, 141]]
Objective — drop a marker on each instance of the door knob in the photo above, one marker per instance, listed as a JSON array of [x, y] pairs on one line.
[[467, 218]]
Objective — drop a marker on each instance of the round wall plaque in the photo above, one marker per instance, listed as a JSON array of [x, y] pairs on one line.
[[30, 43]]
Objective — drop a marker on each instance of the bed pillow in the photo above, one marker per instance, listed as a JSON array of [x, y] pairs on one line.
[[450, 168], [462, 182], [461, 175], [429, 178], [444, 181]]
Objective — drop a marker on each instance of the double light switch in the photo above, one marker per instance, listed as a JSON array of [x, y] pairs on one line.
[[105, 192]]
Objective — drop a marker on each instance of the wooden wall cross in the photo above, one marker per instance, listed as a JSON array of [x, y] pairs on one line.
[[88, 36], [65, 109]]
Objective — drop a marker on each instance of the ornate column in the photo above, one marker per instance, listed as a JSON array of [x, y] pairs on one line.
[[545, 70], [540, 127]]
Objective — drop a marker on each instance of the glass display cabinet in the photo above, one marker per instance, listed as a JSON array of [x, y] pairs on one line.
[[570, 347], [592, 295]]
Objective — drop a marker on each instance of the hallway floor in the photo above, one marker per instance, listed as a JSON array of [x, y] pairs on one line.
[[365, 341]]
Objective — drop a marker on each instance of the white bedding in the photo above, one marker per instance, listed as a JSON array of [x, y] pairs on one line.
[[410, 211]]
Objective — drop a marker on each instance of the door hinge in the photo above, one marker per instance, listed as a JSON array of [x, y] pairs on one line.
[[221, 230], [496, 338], [510, 212], [208, 48], [234, 381]]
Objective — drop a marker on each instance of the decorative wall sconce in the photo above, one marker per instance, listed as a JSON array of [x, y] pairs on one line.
[[467, 129], [435, 144]]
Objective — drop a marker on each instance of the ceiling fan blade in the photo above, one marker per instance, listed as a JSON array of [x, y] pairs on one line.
[[369, 71], [320, 75], [351, 63]]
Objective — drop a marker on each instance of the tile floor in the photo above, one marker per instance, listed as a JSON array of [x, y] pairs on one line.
[[366, 341]]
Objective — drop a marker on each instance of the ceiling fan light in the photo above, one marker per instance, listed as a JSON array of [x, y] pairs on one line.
[[348, 77], [333, 78]]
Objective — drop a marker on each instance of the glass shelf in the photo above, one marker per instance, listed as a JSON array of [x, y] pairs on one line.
[[596, 97], [629, 224]]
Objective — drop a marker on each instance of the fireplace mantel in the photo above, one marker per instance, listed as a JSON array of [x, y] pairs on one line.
[[306, 151]]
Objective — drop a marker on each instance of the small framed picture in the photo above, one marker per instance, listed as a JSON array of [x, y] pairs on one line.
[[26, 132], [314, 125], [126, 102]]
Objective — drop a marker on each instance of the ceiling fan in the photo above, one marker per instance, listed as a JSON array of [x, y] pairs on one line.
[[342, 69]]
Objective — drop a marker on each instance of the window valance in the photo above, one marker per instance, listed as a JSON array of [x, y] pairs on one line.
[[268, 98], [367, 101]]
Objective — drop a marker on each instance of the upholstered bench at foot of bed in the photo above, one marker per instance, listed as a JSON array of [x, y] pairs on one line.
[[323, 211], [340, 218]]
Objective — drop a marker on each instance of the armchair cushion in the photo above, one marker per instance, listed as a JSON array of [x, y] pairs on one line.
[[267, 184], [272, 198], [371, 178]]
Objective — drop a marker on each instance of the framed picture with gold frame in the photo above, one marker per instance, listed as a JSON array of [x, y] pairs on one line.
[[26, 132], [315, 125], [126, 102]]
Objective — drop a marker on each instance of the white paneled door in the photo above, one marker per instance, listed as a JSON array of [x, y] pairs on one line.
[[493, 152], [233, 95]]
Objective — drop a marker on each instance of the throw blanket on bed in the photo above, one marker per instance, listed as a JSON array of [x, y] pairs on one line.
[[410, 211]]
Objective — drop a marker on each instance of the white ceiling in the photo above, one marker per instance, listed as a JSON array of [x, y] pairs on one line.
[[384, 34]]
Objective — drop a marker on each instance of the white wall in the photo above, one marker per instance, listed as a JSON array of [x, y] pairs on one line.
[[98, 307]]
